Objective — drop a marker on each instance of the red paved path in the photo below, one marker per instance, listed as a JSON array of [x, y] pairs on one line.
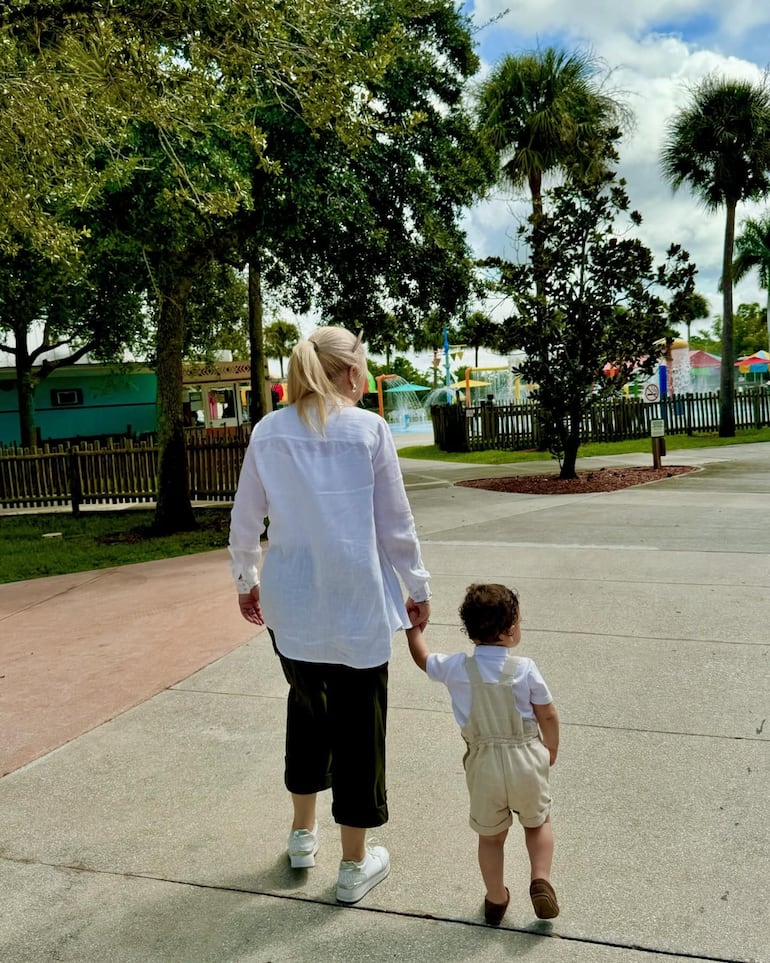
[[77, 650]]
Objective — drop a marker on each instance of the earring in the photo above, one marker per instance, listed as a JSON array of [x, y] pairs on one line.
[[353, 387]]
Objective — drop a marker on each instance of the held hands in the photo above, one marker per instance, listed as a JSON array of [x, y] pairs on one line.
[[418, 612], [419, 616], [250, 608]]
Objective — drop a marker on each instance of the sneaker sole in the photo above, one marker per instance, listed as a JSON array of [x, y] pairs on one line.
[[350, 896], [303, 861]]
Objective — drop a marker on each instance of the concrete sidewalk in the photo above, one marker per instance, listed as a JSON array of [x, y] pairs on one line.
[[149, 821]]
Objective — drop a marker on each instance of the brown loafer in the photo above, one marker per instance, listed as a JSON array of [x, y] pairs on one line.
[[494, 912], [543, 899]]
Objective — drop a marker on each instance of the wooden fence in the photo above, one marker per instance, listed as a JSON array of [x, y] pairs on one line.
[[126, 471], [516, 427], [112, 473]]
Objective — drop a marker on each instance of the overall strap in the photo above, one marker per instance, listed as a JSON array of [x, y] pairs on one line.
[[509, 669], [472, 669]]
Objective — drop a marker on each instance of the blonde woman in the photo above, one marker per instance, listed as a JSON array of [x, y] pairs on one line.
[[326, 474]]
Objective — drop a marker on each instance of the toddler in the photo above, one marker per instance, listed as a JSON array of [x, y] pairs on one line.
[[499, 700]]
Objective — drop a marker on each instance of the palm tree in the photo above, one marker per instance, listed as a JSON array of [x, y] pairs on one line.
[[753, 247], [688, 307], [719, 145], [545, 112], [279, 339], [478, 330]]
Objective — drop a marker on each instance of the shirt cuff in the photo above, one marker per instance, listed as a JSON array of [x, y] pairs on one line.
[[243, 586], [424, 595]]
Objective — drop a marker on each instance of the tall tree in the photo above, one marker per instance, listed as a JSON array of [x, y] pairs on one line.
[[280, 338], [478, 330], [753, 247], [53, 313], [78, 75], [719, 145], [325, 143], [546, 113], [604, 303], [373, 235], [686, 308], [152, 114]]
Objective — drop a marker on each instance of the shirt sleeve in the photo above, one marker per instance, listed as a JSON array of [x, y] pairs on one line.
[[539, 693], [247, 524], [443, 668], [394, 522]]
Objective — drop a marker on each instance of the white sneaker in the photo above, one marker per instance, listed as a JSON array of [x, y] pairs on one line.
[[302, 846], [356, 879]]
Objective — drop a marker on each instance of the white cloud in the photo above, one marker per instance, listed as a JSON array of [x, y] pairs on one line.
[[523, 21]]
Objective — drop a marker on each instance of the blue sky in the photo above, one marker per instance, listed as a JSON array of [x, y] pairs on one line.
[[655, 49]]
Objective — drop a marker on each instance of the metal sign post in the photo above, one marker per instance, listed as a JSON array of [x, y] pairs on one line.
[[657, 433]]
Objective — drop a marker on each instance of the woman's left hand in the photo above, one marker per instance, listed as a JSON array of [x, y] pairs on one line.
[[251, 610]]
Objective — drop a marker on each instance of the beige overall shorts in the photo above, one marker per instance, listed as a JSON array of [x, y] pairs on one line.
[[506, 763]]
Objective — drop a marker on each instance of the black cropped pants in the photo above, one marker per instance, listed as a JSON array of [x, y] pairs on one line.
[[336, 721]]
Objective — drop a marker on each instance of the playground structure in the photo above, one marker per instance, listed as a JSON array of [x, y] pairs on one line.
[[680, 372]]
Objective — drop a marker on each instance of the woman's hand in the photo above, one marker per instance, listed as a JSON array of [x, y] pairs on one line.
[[418, 612], [250, 608]]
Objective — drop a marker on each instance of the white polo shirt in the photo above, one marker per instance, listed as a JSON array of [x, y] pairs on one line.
[[341, 531]]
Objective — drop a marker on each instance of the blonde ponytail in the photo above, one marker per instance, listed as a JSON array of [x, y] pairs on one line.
[[314, 368]]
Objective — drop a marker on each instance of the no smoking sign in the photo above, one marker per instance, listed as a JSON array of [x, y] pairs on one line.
[[651, 393]]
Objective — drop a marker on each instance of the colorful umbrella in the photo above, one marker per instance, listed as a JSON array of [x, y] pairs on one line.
[[759, 361], [460, 385]]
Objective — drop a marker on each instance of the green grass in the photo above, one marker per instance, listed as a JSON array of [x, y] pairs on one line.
[[673, 442], [99, 539]]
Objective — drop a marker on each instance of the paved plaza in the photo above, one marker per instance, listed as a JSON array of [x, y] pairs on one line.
[[143, 817]]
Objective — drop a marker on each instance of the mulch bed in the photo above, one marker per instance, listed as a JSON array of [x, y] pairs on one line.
[[598, 480]]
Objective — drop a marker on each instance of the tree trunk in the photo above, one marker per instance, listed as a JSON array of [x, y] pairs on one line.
[[256, 342], [767, 314], [726, 378], [538, 270], [538, 242], [173, 511], [571, 446], [25, 391]]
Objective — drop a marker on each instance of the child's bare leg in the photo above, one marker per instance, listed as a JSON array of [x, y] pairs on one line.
[[540, 848], [491, 857], [304, 810]]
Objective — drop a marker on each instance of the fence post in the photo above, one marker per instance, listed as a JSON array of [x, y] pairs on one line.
[[76, 491]]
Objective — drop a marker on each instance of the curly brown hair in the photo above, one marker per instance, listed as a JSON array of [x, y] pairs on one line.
[[487, 611]]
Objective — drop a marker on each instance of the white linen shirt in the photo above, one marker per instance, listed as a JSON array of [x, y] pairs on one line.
[[529, 687], [340, 529]]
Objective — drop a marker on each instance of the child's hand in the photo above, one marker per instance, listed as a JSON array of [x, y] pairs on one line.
[[548, 720]]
